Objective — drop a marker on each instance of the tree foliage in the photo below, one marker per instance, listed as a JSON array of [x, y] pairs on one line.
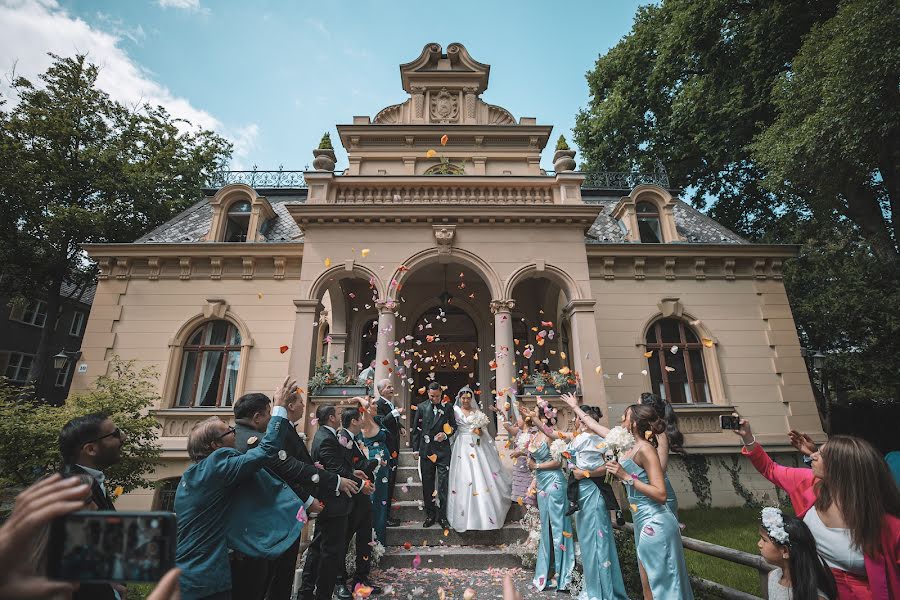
[[29, 429], [782, 120], [77, 167]]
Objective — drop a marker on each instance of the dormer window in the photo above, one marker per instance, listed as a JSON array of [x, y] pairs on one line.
[[648, 223], [238, 223]]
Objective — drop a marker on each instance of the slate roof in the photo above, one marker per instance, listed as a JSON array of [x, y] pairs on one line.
[[70, 290], [192, 224]]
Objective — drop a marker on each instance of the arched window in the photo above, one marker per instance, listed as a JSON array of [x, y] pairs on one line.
[[679, 376], [209, 366], [165, 494], [648, 223], [238, 222]]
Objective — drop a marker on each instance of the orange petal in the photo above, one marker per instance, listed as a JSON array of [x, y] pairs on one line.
[[283, 349], [444, 140]]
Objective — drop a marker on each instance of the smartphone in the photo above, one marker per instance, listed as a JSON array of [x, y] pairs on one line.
[[100, 546], [730, 422]]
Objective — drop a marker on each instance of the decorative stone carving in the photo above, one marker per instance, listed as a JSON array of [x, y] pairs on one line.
[[759, 268], [699, 424], [776, 268], [249, 266], [639, 267], [444, 236], [184, 265], [153, 265], [669, 266], [729, 269], [470, 102], [280, 263], [670, 307], [324, 159], [609, 267], [105, 266], [122, 265], [564, 160], [444, 107], [215, 308], [215, 267], [498, 306], [700, 268]]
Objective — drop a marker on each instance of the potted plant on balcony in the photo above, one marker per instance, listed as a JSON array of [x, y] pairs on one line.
[[563, 158], [551, 383], [326, 382], [324, 155]]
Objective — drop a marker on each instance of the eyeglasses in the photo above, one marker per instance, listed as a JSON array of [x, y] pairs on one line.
[[117, 433], [228, 431]]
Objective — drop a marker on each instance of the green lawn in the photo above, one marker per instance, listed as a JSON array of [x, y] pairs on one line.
[[736, 528]]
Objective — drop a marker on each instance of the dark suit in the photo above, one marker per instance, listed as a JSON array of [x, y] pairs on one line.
[[326, 551], [392, 426], [92, 591], [430, 421], [359, 523]]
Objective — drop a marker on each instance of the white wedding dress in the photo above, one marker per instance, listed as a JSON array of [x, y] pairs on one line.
[[480, 486]]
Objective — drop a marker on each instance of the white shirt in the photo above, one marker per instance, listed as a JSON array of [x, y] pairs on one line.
[[835, 545], [778, 591], [97, 475]]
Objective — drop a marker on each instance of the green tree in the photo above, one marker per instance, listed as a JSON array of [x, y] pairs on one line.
[[29, 429], [781, 120], [78, 167]]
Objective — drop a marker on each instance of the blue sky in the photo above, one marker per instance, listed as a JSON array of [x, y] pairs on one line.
[[273, 76]]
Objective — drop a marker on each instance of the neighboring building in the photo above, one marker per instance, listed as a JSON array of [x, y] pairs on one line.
[[20, 333], [271, 270]]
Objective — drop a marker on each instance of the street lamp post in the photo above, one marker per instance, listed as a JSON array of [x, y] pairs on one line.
[[61, 360]]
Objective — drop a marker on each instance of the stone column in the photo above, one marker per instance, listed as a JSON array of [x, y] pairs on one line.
[[384, 345], [586, 350], [302, 345], [336, 350], [504, 353]]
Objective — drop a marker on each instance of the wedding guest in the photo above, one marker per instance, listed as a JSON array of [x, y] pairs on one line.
[[850, 504], [89, 445], [657, 536], [520, 432], [389, 416], [602, 575], [786, 543], [374, 437], [670, 440], [251, 576], [325, 554], [227, 500], [367, 376], [556, 548]]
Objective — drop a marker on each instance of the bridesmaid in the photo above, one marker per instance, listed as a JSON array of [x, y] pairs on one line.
[[657, 537], [602, 574], [375, 439], [671, 439], [519, 434], [556, 549]]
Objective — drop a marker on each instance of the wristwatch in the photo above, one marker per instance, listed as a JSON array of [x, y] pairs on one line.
[[629, 481]]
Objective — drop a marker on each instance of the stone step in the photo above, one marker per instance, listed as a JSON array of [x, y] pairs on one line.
[[450, 557], [410, 511], [415, 534]]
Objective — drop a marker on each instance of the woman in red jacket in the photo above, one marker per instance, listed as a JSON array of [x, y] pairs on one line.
[[852, 506]]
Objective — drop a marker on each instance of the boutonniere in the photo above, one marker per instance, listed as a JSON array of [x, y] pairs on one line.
[[302, 436]]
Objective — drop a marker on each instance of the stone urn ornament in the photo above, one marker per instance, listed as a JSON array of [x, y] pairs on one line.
[[563, 158], [324, 155]]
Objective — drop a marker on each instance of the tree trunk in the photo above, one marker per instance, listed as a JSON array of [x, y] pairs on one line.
[[42, 367], [863, 208]]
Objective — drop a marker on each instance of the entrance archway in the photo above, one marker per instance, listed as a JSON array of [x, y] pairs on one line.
[[447, 349]]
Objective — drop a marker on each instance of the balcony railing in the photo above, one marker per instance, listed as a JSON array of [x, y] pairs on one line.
[[610, 180]]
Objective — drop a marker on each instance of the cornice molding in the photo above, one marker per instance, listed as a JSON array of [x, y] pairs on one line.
[[204, 249], [693, 250]]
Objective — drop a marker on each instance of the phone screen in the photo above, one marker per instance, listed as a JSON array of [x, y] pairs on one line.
[[95, 546], [730, 422]]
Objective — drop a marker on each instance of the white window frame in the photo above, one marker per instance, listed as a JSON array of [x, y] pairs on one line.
[[79, 318], [15, 358], [66, 371], [19, 316]]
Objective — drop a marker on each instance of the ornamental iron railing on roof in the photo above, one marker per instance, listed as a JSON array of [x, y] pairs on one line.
[[609, 180]]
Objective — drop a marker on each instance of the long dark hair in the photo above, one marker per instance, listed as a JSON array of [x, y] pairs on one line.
[[667, 414], [858, 481], [644, 420], [809, 574]]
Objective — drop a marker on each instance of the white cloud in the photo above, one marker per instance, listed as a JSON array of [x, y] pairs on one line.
[[188, 5], [244, 140]]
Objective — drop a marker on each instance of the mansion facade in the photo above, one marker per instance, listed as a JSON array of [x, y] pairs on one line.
[[445, 251]]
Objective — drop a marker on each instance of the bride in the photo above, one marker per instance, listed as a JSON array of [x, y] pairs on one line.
[[479, 485]]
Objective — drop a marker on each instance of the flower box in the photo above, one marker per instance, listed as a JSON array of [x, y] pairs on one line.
[[343, 391]]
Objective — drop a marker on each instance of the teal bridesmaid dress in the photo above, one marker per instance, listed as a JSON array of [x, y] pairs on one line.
[[671, 498], [658, 541], [556, 549], [377, 447], [602, 578]]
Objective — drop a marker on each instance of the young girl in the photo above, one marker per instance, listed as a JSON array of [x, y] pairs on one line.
[[786, 542]]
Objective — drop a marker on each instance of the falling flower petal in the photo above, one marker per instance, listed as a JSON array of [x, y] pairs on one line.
[[430, 154], [417, 561], [444, 140], [648, 354], [283, 349], [707, 342], [327, 262], [364, 252]]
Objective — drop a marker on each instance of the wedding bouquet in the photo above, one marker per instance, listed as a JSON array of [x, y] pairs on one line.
[[618, 441], [558, 449], [478, 420]]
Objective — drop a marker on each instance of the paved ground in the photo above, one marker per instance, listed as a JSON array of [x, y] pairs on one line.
[[428, 584]]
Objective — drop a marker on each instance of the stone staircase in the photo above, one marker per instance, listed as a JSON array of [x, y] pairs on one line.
[[469, 550]]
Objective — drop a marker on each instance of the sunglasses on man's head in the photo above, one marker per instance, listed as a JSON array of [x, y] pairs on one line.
[[114, 433]]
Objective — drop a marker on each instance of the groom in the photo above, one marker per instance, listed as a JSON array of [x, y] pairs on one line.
[[435, 423]]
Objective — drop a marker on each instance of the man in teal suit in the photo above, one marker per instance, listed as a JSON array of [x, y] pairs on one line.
[[227, 500]]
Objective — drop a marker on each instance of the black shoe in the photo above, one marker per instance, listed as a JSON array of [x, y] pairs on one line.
[[393, 522], [445, 523], [429, 522], [376, 589], [573, 508], [620, 519], [563, 592], [342, 593]]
